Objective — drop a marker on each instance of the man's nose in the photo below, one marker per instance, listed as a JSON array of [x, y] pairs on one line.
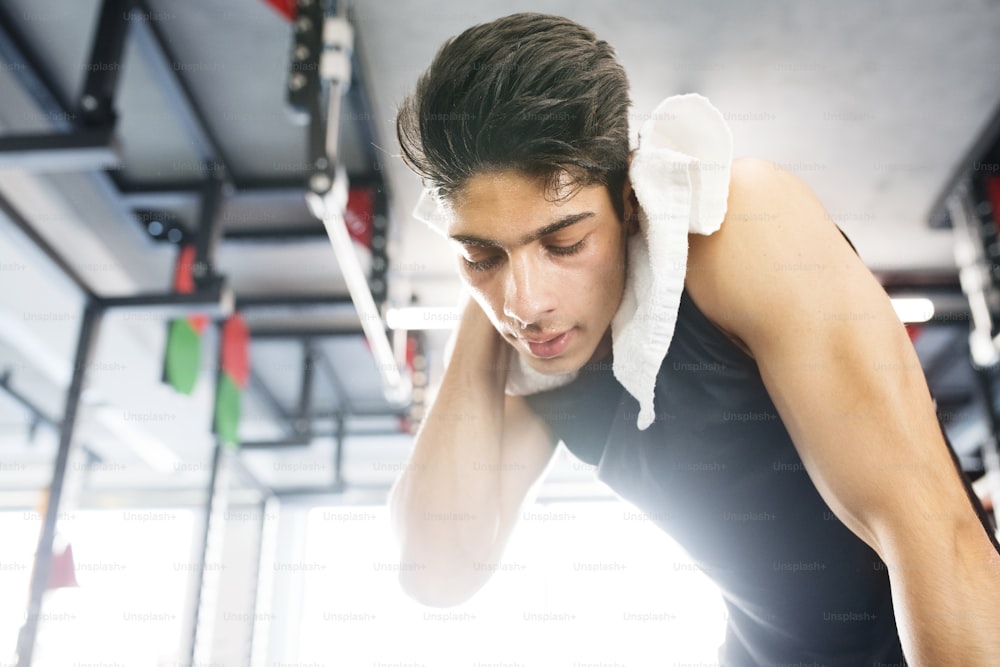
[[528, 291]]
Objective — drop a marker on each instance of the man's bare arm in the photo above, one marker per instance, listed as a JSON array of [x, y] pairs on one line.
[[849, 387], [475, 460]]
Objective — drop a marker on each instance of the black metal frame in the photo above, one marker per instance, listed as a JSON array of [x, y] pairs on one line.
[[80, 150], [83, 140], [97, 99], [43, 556], [86, 143], [94, 309], [101, 84]]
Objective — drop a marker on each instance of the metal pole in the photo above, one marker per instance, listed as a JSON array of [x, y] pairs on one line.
[[258, 606], [303, 426], [215, 506], [96, 103], [338, 456], [86, 338], [263, 591], [216, 478]]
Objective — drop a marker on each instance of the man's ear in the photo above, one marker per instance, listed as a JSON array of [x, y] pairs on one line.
[[631, 207]]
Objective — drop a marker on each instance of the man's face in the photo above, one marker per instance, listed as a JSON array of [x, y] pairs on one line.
[[549, 274]]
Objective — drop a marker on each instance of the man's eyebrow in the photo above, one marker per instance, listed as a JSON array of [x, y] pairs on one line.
[[551, 228]]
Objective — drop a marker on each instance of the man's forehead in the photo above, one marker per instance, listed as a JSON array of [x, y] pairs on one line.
[[560, 187], [511, 199]]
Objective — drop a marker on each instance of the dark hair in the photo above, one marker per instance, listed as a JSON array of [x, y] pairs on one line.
[[531, 92]]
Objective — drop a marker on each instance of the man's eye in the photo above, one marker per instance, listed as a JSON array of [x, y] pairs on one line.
[[566, 250], [482, 264]]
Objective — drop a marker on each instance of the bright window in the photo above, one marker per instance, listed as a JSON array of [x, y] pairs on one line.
[[583, 584], [132, 567]]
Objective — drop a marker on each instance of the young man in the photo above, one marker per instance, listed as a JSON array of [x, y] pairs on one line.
[[521, 126]]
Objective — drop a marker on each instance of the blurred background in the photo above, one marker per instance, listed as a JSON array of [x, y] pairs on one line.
[[207, 386]]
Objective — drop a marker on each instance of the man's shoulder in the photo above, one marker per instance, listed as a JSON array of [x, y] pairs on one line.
[[763, 199], [728, 270], [755, 190], [753, 182]]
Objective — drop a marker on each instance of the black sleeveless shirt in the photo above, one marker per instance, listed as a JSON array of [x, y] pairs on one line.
[[719, 472]]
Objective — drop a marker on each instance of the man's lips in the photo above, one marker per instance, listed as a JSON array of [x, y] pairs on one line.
[[541, 339], [548, 346]]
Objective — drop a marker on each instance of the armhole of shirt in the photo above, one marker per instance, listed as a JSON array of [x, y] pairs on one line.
[[732, 339], [726, 338]]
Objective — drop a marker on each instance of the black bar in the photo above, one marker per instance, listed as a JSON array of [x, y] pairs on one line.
[[378, 278], [215, 301], [97, 99], [305, 332], [80, 150], [144, 194], [323, 164], [302, 425], [152, 198], [986, 380], [945, 281], [209, 230], [86, 338], [338, 455], [252, 301], [292, 233], [303, 83]]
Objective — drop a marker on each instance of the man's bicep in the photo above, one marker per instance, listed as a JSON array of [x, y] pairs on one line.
[[856, 405], [832, 353]]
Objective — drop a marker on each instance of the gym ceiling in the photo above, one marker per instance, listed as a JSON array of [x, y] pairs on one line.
[[116, 114]]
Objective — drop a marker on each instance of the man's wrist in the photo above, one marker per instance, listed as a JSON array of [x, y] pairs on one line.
[[479, 347]]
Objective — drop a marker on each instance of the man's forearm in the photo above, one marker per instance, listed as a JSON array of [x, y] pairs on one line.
[[947, 600], [446, 504]]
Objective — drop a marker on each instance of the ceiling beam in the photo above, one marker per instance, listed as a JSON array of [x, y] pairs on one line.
[[80, 150], [303, 332]]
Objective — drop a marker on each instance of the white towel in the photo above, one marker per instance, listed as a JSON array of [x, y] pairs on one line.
[[680, 173]]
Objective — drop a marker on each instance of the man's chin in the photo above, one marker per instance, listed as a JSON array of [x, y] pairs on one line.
[[554, 366]]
